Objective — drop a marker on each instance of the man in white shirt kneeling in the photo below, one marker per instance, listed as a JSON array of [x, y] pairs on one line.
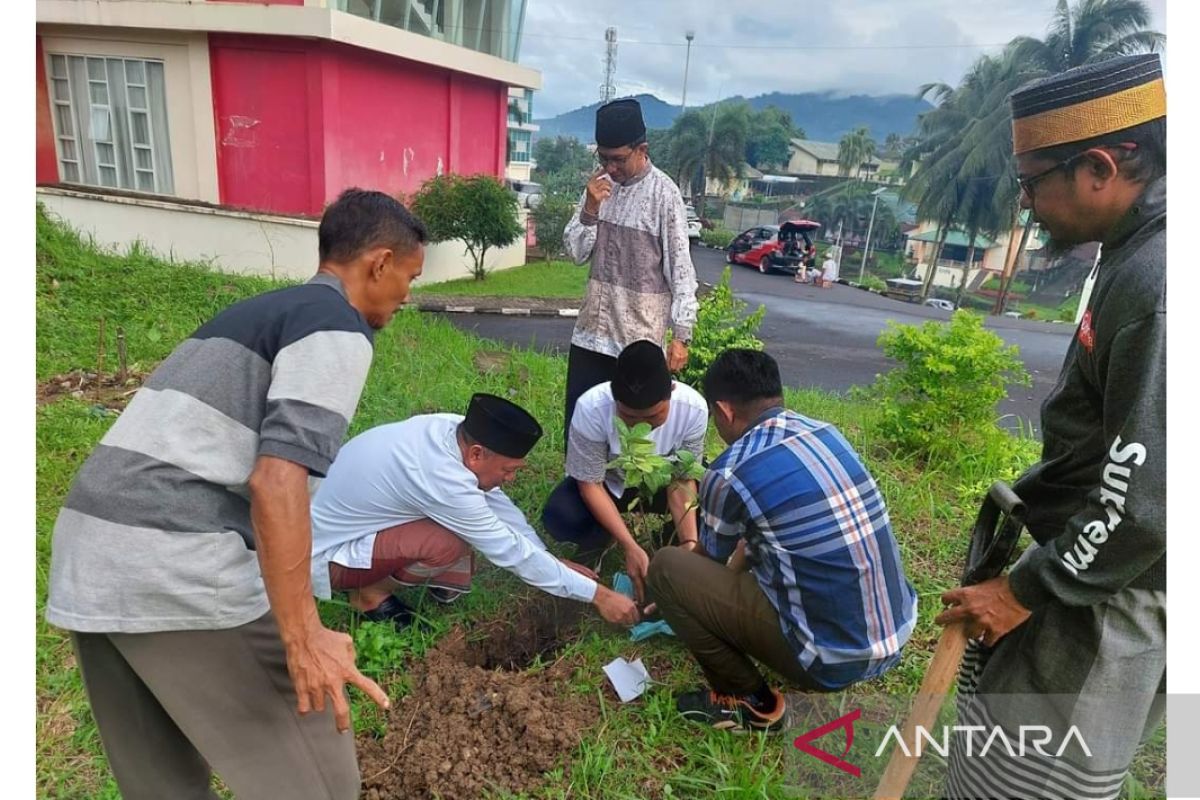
[[586, 507], [406, 503]]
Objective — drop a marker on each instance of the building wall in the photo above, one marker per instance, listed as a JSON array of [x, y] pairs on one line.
[[242, 243], [320, 117], [802, 163], [269, 135], [46, 159]]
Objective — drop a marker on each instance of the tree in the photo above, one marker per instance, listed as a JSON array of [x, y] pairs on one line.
[[1091, 30], [964, 144], [478, 210], [709, 143], [768, 143], [892, 146], [854, 150], [550, 219], [561, 154]]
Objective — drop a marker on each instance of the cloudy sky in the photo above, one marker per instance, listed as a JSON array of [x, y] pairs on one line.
[[760, 46]]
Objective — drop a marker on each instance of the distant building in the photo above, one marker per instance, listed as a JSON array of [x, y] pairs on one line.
[[820, 159], [520, 134], [222, 129], [735, 188], [987, 261]]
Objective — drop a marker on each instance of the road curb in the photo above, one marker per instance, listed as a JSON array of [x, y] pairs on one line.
[[499, 310]]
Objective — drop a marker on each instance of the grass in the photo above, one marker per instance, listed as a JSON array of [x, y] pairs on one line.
[[556, 279], [424, 364]]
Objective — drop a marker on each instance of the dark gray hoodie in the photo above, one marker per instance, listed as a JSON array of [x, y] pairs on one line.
[[1097, 499]]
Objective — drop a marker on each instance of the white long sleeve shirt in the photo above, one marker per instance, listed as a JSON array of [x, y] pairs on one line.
[[411, 470]]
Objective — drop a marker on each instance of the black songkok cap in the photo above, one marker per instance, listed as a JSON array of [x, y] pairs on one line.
[[501, 426], [642, 377], [619, 123], [1088, 101]]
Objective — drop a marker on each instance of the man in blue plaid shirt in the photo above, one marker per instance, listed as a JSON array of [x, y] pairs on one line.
[[799, 568]]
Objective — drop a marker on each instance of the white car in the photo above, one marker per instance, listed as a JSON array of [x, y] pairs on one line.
[[944, 305], [693, 222]]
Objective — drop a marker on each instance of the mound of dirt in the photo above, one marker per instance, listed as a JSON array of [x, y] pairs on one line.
[[475, 721], [106, 390]]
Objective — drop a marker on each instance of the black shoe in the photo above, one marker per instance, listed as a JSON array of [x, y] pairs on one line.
[[391, 610], [725, 712], [443, 595]]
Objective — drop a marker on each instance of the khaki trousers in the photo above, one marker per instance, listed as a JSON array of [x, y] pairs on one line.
[[174, 706], [724, 619]]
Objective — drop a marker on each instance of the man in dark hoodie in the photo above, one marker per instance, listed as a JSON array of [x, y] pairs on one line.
[[1074, 637]]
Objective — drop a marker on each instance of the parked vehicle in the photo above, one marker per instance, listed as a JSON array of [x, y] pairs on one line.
[[529, 194], [694, 226], [907, 289], [774, 248], [935, 302]]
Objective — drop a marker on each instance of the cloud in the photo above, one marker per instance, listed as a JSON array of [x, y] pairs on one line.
[[857, 46]]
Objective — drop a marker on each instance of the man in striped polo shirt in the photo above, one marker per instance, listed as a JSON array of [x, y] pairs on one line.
[[633, 227], [800, 569], [180, 559]]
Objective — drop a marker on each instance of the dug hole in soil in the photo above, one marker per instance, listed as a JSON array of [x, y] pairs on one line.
[[476, 721]]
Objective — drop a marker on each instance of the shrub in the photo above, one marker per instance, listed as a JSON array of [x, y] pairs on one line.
[[717, 237], [550, 219], [940, 402], [720, 326], [874, 283], [478, 210]]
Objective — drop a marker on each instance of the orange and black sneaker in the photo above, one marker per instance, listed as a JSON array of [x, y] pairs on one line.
[[727, 712]]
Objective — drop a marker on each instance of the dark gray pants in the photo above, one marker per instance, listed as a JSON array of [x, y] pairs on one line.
[[172, 707]]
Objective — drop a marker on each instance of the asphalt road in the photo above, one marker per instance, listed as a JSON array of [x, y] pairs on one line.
[[822, 337]]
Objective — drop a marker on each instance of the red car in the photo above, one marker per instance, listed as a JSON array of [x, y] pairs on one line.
[[771, 248]]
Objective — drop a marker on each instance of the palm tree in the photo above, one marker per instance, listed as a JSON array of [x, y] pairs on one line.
[[1092, 30], [965, 143], [854, 149], [966, 178], [709, 143]]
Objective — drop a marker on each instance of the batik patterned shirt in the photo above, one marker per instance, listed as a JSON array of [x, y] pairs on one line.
[[642, 277]]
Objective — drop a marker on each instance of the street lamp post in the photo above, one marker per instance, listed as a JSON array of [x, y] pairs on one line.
[[689, 35], [870, 226]]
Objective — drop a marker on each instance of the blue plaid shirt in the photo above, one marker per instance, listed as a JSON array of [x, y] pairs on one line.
[[819, 542]]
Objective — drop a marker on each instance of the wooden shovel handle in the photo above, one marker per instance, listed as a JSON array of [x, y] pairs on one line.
[[941, 673]]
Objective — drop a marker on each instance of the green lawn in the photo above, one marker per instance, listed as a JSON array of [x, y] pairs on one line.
[[557, 279], [423, 364]]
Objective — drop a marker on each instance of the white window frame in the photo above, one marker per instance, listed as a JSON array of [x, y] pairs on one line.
[[111, 156]]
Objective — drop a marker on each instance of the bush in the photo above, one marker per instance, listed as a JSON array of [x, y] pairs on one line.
[[874, 283], [550, 219], [720, 326], [941, 401], [717, 237], [478, 210]]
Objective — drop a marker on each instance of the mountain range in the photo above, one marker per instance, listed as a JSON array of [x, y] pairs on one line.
[[824, 116]]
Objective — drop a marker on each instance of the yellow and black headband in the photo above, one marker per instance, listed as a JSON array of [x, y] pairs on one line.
[[1088, 101]]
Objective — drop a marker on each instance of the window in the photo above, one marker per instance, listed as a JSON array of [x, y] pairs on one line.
[[519, 147], [110, 117]]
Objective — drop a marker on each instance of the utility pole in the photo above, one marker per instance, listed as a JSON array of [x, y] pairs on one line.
[[870, 226], [689, 35], [609, 90]]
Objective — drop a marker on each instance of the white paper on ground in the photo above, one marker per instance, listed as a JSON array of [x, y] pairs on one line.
[[629, 679]]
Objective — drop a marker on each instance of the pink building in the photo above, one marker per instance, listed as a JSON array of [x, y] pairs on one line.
[[241, 110]]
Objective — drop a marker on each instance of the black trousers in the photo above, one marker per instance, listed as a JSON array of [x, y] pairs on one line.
[[585, 369], [568, 519]]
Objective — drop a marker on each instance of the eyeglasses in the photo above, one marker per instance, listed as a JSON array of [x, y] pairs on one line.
[[1027, 184], [618, 161]]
